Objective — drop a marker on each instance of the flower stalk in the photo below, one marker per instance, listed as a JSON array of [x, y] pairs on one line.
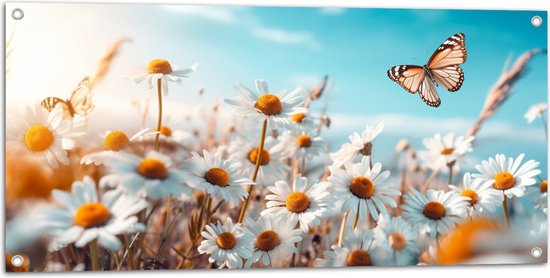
[[255, 174]]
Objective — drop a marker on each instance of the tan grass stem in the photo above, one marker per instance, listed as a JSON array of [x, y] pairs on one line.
[[255, 174]]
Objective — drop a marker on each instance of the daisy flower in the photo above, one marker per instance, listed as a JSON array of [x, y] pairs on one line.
[[302, 203], [507, 174], [161, 69], [541, 202], [536, 111], [112, 142], [303, 120], [301, 144], [482, 196], [246, 150], [445, 151], [150, 176], [358, 145], [216, 176], [226, 244], [363, 188], [42, 134], [357, 250], [274, 240], [275, 107], [82, 216], [396, 242], [435, 213]]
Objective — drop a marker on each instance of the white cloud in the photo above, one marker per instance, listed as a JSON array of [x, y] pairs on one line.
[[333, 11], [287, 37], [224, 15], [418, 127]]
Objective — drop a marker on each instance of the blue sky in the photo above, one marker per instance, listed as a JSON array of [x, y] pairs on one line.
[[290, 47]]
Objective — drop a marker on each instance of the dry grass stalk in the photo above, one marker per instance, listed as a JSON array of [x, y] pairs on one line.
[[502, 89], [106, 62]]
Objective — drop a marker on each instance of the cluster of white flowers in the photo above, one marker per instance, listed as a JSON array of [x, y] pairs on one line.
[[382, 224]]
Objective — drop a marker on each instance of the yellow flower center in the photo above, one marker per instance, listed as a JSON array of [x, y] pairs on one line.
[[297, 202], [226, 240], [397, 241], [267, 240], [303, 141], [362, 187], [253, 156], [38, 138], [434, 210], [166, 131], [153, 169], [159, 66], [359, 257], [269, 104], [447, 151], [504, 181], [470, 194], [115, 141], [367, 149], [298, 118], [217, 176], [544, 186], [91, 215]]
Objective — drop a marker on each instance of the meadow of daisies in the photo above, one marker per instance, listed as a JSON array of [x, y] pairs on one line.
[[265, 192]]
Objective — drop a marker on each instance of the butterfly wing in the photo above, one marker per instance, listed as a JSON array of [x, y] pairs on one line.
[[450, 77], [81, 98], [50, 102], [428, 93], [410, 77], [451, 52]]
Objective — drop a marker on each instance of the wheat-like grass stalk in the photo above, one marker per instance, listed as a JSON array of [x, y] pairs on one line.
[[503, 88]]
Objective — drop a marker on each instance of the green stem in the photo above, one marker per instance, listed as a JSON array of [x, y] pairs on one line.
[[505, 207], [159, 121], [94, 255], [255, 174]]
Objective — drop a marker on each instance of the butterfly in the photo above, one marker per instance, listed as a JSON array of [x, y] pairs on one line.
[[442, 69], [80, 101]]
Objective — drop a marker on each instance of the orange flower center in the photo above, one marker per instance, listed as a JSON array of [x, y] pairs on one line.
[[447, 151], [159, 66], [199, 196], [397, 241], [269, 104], [298, 118], [91, 215], [38, 138], [470, 194], [362, 187], [226, 240], [504, 181], [359, 257], [153, 169], [434, 210], [544, 186], [303, 141], [217, 176], [166, 131], [297, 202], [267, 240], [253, 156], [115, 141]]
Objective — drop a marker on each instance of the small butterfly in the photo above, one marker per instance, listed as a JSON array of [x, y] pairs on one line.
[[80, 101], [442, 69]]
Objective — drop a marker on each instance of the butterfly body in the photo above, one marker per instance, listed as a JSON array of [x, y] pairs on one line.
[[442, 69]]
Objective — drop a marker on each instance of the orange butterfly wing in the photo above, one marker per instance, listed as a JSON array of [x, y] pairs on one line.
[[410, 77]]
